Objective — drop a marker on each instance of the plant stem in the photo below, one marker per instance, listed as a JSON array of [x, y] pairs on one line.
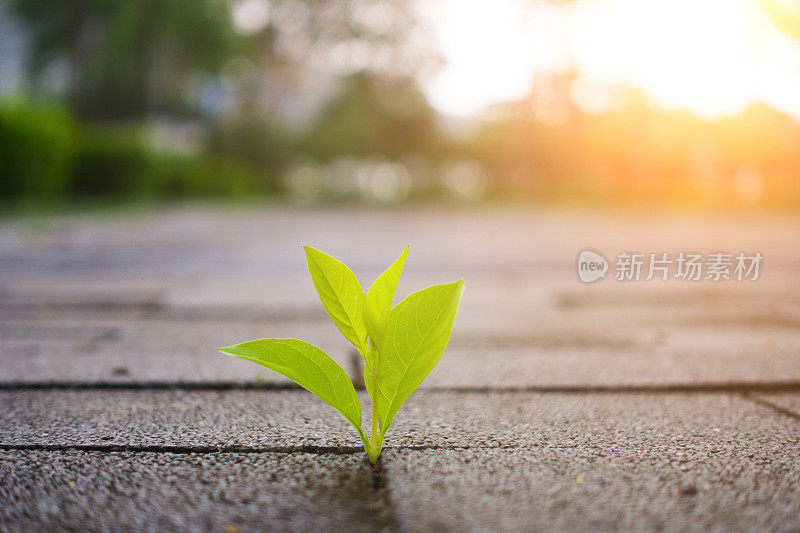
[[375, 441], [364, 440]]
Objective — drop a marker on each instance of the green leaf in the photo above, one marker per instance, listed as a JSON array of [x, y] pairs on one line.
[[341, 296], [379, 300], [309, 367], [417, 334]]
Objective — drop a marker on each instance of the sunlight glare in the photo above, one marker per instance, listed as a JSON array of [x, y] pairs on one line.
[[713, 57]]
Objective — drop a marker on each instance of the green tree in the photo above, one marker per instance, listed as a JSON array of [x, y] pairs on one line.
[[374, 115], [128, 58]]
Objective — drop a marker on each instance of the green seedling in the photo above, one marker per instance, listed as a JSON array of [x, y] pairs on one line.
[[400, 345]]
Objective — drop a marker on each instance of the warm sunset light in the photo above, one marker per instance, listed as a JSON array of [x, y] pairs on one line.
[[713, 57], [689, 103]]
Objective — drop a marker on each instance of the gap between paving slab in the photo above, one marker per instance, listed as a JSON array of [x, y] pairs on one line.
[[215, 372], [787, 404], [576, 461], [297, 421], [685, 388]]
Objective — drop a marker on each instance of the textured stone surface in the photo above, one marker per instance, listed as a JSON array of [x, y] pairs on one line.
[[170, 350], [90, 491], [251, 419], [536, 419], [599, 462], [147, 350], [682, 357], [284, 418], [134, 299], [604, 486], [454, 461], [146, 297]]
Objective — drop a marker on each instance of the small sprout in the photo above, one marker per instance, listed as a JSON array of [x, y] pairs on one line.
[[400, 345]]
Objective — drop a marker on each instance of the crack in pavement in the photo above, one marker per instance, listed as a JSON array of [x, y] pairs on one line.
[[179, 449], [147, 385], [770, 405], [162, 448], [741, 387]]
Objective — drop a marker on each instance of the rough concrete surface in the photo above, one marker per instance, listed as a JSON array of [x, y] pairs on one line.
[[146, 350], [91, 491], [166, 350], [454, 461], [597, 487], [127, 308], [147, 297], [260, 419], [206, 419]]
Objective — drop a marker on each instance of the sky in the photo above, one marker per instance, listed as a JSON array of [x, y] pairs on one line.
[[713, 57]]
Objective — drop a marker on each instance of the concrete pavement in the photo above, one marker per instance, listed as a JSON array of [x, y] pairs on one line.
[[614, 406]]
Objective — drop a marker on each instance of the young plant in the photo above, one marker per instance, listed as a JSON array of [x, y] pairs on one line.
[[400, 345]]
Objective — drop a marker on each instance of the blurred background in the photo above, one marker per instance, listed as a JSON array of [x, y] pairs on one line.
[[163, 161], [605, 102]]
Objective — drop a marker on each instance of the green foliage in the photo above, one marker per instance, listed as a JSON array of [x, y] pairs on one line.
[[376, 312], [116, 161], [204, 175], [112, 162], [45, 155], [403, 345], [309, 367], [341, 296], [37, 148], [417, 333], [373, 116], [127, 59], [379, 300]]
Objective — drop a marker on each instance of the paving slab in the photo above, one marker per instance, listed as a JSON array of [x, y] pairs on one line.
[[227, 492], [147, 296], [204, 257], [242, 238], [549, 352], [670, 357], [255, 420], [146, 350], [606, 462], [135, 299], [597, 487], [637, 420], [454, 461], [264, 419]]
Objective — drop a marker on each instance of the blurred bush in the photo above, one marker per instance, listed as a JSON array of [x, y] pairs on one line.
[[207, 175], [111, 161], [37, 150], [46, 155], [119, 162]]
